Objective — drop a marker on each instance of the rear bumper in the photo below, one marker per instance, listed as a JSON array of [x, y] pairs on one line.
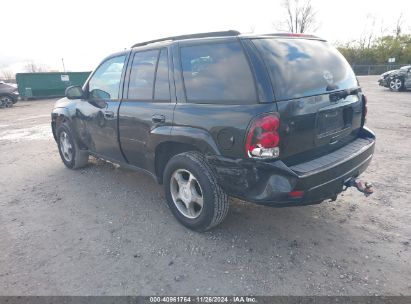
[[269, 183]]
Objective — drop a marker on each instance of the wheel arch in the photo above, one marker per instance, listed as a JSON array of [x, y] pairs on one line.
[[58, 117], [399, 76], [165, 151], [8, 95], [178, 140], [61, 116]]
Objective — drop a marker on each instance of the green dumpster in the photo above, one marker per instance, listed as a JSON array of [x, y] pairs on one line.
[[47, 85]]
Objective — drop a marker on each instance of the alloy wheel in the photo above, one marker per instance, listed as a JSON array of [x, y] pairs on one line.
[[186, 193], [395, 84], [66, 147], [6, 101]]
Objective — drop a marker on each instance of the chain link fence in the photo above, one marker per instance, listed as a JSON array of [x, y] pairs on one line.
[[8, 80], [369, 69]]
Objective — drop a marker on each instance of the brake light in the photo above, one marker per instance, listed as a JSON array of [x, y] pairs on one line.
[[262, 138]]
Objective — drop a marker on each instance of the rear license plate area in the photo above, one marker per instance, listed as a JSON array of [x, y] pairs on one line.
[[334, 120]]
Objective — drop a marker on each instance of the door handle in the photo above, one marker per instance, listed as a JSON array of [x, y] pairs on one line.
[[158, 118], [108, 114]]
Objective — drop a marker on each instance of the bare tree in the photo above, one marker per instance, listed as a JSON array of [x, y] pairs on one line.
[[368, 35], [301, 16], [7, 75], [32, 67], [398, 26]]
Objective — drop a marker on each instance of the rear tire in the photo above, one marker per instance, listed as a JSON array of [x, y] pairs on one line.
[[396, 84], [70, 154], [192, 192]]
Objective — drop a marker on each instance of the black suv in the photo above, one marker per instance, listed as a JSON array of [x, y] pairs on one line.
[[275, 119]]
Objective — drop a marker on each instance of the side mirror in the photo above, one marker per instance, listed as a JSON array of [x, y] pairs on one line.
[[99, 94], [74, 92]]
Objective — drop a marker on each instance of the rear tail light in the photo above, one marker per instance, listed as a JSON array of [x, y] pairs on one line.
[[263, 138]]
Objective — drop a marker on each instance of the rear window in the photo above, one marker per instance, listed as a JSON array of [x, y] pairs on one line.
[[300, 67], [217, 73]]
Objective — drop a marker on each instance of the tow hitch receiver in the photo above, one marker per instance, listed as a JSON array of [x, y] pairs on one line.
[[366, 189]]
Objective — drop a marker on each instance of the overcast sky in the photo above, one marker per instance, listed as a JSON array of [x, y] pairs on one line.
[[83, 32]]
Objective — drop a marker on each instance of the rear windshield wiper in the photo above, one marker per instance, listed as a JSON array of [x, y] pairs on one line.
[[334, 97]]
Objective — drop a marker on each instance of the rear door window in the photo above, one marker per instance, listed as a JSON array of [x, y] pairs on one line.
[[302, 67], [162, 86], [217, 73], [142, 75]]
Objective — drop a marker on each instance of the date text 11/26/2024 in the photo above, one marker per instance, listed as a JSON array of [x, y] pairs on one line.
[[202, 299]]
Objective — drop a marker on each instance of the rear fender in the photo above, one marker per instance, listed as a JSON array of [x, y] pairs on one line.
[[182, 139], [197, 137]]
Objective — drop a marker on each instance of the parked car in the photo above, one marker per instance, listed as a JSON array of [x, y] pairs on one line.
[[277, 120], [396, 80], [9, 94]]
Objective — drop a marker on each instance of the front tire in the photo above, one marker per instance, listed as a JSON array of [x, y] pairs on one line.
[[192, 192], [396, 84], [70, 154], [6, 101]]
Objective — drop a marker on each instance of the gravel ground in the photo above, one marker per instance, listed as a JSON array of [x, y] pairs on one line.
[[107, 231]]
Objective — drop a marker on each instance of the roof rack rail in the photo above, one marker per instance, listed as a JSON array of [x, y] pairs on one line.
[[302, 35], [199, 35]]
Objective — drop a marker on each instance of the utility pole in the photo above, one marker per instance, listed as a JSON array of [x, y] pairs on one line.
[[64, 68]]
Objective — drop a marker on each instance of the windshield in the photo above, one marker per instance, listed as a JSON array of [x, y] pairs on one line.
[[301, 67]]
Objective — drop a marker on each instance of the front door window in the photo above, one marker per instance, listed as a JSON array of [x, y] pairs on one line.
[[105, 83]]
